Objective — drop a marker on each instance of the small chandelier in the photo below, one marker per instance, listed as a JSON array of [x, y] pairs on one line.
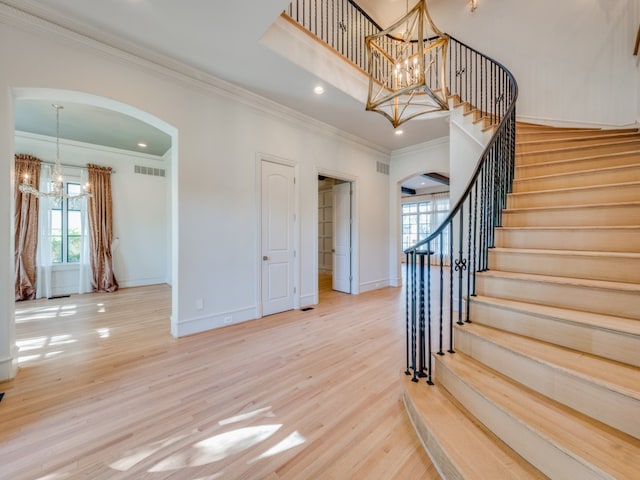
[[407, 67], [57, 183]]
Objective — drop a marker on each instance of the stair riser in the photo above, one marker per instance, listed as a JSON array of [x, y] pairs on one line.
[[579, 179], [583, 196], [574, 153], [524, 171], [591, 299], [446, 468], [542, 454], [602, 240], [608, 268], [597, 216], [579, 393], [545, 145], [559, 134], [603, 343]]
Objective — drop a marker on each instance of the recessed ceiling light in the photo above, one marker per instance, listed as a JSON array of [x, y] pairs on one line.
[[142, 145], [398, 132], [318, 90]]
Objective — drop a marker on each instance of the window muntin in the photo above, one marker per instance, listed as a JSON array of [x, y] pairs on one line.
[[420, 219]]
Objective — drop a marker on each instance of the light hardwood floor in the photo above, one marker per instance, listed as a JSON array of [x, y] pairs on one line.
[[104, 392]]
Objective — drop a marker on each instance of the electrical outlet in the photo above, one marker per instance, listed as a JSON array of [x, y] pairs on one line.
[[199, 304]]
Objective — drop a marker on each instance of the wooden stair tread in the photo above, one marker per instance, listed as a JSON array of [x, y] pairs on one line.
[[579, 189], [603, 156], [588, 171], [594, 320], [632, 143], [573, 132], [559, 207], [475, 452], [599, 136], [581, 282], [577, 253], [615, 376], [575, 228], [606, 449]]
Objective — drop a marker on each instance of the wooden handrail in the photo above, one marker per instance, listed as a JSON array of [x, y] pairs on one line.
[[637, 47]]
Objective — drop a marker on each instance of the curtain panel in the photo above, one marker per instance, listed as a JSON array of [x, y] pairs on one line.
[[26, 227], [101, 229]]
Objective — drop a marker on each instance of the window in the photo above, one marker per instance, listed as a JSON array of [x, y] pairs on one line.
[[66, 226], [422, 218]]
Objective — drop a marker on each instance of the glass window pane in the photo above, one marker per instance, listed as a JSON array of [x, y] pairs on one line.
[[73, 248], [56, 223], [74, 222], [56, 248], [73, 189]]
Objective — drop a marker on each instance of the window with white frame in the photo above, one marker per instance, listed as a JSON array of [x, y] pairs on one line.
[[66, 226], [419, 219]]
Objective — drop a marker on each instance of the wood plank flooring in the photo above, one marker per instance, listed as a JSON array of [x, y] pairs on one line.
[[104, 392]]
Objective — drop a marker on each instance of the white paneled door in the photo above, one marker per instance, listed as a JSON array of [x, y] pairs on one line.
[[277, 238], [342, 237]]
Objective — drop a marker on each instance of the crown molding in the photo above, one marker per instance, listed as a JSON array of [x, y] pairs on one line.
[[34, 18], [35, 137], [420, 147]]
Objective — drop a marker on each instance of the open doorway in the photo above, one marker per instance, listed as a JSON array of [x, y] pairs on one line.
[[335, 234], [144, 202]]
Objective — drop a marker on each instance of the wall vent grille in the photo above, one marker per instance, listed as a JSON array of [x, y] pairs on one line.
[[382, 167], [154, 172]]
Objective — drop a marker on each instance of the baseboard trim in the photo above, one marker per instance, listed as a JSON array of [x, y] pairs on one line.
[[210, 322], [374, 285]]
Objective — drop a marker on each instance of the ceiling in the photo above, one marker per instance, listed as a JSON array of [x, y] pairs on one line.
[[90, 124], [219, 38]]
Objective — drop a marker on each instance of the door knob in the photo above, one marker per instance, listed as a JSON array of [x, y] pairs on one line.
[[265, 258]]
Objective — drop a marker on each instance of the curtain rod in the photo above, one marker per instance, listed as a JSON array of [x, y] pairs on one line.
[[69, 166]]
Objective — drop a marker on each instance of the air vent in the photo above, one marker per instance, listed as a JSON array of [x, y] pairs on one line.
[[154, 172], [382, 168]]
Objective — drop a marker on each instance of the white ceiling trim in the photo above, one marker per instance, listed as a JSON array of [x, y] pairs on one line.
[[89, 146], [172, 69]]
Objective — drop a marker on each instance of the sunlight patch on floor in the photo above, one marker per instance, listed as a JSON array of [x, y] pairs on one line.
[[246, 416], [137, 455], [218, 447], [292, 441]]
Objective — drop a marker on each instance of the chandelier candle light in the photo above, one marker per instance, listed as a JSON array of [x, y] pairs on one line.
[[57, 183], [407, 67]]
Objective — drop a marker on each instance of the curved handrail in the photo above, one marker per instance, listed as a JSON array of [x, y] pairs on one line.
[[482, 82], [485, 85], [492, 141]]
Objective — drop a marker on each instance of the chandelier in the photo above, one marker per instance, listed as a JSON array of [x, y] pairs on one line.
[[56, 187], [407, 67]]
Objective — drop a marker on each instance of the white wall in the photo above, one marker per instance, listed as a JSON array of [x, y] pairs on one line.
[[432, 156], [572, 59], [217, 133], [139, 207]]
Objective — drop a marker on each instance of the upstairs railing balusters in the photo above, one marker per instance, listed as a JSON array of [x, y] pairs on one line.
[[491, 89]]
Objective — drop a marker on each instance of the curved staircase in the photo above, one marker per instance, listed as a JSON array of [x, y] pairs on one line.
[[545, 381]]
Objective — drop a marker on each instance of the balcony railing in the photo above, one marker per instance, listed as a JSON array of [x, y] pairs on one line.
[[437, 295]]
